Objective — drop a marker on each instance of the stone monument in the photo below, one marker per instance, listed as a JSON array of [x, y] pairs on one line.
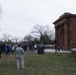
[[65, 31]]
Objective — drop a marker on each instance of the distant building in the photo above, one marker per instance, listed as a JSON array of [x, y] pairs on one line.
[[65, 31]]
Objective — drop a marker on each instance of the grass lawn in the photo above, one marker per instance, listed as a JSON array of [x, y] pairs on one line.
[[35, 64]]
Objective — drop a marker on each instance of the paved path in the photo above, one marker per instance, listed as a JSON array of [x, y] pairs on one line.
[[53, 50]]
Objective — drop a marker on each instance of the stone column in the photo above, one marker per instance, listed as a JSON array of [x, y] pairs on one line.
[[65, 47], [56, 34]]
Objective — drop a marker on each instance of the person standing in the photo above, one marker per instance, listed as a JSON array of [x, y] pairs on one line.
[[35, 47], [13, 48], [19, 52], [57, 49]]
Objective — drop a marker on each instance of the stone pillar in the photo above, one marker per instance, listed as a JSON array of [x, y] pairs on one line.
[[56, 34], [65, 47]]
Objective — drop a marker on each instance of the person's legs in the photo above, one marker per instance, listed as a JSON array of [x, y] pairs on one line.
[[55, 50], [22, 63], [18, 63]]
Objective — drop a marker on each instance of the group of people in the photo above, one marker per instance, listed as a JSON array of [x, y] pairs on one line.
[[19, 52], [8, 48]]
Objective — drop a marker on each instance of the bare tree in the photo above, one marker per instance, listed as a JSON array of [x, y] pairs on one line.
[[44, 33], [6, 37], [28, 38], [38, 30], [15, 38]]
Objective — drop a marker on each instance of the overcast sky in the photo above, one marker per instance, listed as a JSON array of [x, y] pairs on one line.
[[19, 16]]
